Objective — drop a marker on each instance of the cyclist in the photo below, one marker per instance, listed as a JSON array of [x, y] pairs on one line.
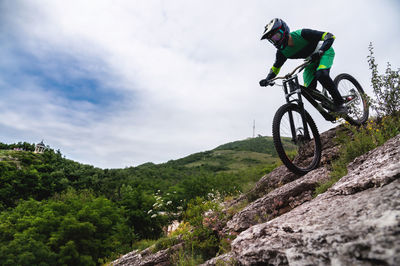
[[302, 44]]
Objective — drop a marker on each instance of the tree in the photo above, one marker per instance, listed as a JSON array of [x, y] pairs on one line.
[[137, 204], [73, 229]]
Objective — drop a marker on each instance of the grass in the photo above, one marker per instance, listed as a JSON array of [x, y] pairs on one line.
[[143, 244], [234, 160], [184, 258]]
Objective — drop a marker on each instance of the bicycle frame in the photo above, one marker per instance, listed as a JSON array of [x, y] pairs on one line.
[[291, 87], [326, 103]]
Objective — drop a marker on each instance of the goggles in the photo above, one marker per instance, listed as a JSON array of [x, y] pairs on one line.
[[276, 37]]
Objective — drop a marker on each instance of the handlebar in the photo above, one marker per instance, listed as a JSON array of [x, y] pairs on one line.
[[298, 68]]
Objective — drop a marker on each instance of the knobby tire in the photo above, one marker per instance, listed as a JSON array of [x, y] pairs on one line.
[[294, 165], [353, 84]]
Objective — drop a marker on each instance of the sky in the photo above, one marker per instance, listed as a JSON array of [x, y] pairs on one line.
[[118, 83]]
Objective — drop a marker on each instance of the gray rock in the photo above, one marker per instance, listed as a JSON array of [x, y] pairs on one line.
[[356, 222], [373, 169], [225, 259], [277, 202], [147, 258]]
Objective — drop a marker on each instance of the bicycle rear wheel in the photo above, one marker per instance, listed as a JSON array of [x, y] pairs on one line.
[[354, 97], [300, 154]]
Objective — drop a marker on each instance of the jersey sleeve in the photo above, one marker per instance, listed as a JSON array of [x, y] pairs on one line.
[[316, 36], [312, 35], [280, 59]]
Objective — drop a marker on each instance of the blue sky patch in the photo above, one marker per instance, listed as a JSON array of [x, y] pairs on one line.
[[58, 72]]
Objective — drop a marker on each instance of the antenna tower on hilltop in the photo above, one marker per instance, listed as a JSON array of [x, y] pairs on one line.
[[254, 128]]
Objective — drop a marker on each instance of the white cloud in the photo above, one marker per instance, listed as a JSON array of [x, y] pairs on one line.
[[187, 71]]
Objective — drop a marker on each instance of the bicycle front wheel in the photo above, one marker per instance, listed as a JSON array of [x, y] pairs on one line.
[[299, 153], [354, 97]]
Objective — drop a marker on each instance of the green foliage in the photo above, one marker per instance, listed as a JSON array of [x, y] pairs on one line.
[[20, 145], [143, 244], [26, 175], [72, 229], [386, 88], [200, 232], [196, 232], [165, 242], [136, 205], [202, 239]]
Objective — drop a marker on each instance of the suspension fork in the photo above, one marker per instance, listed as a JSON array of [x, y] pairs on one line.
[[291, 122], [295, 88], [302, 110]]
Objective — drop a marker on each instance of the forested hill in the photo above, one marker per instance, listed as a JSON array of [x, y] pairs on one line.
[[52, 207]]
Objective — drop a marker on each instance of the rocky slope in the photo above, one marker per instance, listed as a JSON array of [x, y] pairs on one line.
[[356, 222]]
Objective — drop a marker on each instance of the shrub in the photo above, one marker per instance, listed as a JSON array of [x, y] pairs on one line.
[[386, 87], [202, 238], [199, 232], [165, 242]]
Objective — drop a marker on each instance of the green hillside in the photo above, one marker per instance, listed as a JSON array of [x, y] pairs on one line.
[[234, 156], [49, 204], [259, 144]]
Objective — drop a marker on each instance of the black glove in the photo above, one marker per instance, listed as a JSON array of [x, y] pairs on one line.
[[316, 55], [265, 82]]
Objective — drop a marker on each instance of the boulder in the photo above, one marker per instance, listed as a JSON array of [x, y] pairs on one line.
[[277, 202], [147, 258]]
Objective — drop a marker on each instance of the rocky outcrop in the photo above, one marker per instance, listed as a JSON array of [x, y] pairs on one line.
[[356, 222], [147, 258], [278, 202]]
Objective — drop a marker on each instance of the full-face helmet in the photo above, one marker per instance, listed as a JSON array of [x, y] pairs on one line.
[[277, 32]]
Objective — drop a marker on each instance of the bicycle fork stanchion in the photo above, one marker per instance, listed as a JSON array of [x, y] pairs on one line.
[[291, 122], [301, 105]]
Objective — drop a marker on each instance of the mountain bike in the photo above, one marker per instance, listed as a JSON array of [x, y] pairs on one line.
[[294, 132]]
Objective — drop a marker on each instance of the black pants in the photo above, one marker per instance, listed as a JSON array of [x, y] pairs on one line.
[[323, 77]]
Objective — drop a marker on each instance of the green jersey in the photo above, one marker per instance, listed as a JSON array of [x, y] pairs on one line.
[[305, 42]]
